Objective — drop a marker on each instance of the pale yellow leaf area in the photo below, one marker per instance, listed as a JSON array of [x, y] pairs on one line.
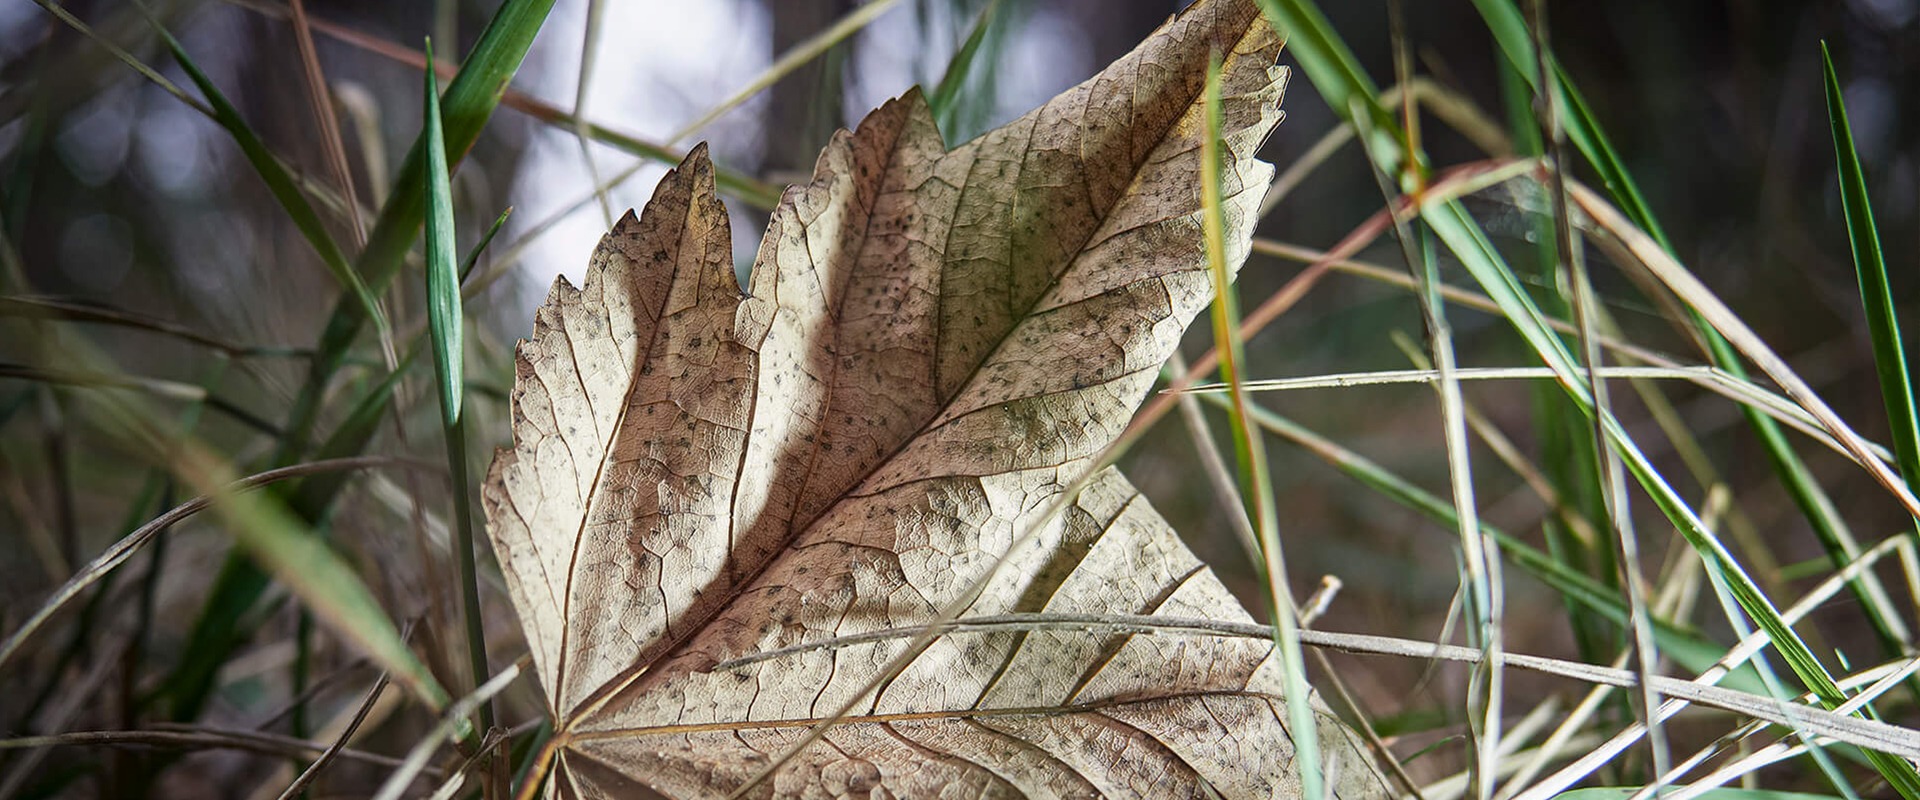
[[932, 347]]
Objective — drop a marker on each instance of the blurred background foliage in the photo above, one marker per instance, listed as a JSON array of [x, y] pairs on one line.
[[123, 201]]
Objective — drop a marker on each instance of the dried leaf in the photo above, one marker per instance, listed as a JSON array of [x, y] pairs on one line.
[[934, 346]]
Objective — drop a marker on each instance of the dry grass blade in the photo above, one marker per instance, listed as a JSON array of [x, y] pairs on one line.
[[308, 775], [1453, 108], [201, 738], [1697, 296], [1452, 294], [1483, 584], [582, 131], [452, 723], [1710, 378], [129, 545], [1626, 542], [757, 193], [56, 718], [1218, 475], [1872, 734], [789, 61], [1741, 652], [1250, 451], [165, 389], [39, 307], [329, 122], [1464, 180]]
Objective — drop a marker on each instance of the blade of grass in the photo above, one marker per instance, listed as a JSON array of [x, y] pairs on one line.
[[285, 191], [1515, 39], [443, 282], [1883, 323], [238, 585], [447, 336], [1625, 792], [133, 62], [1684, 646], [1328, 63], [311, 495], [946, 96], [1707, 378], [1455, 109], [449, 727], [312, 771], [1250, 453], [789, 61], [1331, 69], [264, 528], [1750, 645], [1626, 542], [473, 256], [1658, 262], [104, 564], [172, 390], [589, 50], [1509, 29], [736, 184], [321, 99], [1479, 553], [1225, 489], [465, 107], [1567, 444], [1466, 241], [46, 307], [155, 491], [1867, 733], [288, 549]]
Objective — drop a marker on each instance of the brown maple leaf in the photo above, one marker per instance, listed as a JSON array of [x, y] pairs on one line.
[[933, 347]]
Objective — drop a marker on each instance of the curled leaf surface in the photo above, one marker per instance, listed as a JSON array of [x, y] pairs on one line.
[[932, 347]]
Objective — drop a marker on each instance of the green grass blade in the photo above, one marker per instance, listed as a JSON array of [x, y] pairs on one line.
[[1515, 39], [101, 568], [1256, 485], [278, 541], [1468, 243], [468, 102], [1896, 387], [1325, 58], [349, 439], [465, 107], [240, 582], [216, 631], [473, 256], [1567, 457], [1334, 72], [446, 334], [1686, 647], [285, 189], [1510, 32], [443, 282], [288, 549], [946, 96], [733, 183]]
